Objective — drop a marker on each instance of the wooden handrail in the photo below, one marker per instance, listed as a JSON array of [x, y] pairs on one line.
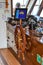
[[6, 3]]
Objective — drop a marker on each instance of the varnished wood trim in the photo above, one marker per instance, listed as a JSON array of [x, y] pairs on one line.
[[6, 3], [4, 62]]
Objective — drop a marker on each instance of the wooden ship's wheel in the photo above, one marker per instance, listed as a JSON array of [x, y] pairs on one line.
[[20, 40]]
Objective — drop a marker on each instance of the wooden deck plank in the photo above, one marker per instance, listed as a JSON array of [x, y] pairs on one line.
[[10, 59]]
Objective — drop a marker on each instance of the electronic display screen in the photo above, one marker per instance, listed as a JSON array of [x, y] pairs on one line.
[[21, 13]]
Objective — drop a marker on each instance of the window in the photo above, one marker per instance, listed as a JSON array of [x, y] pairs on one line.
[[35, 10], [30, 5], [22, 2], [38, 2], [26, 2], [16, 1], [36, 7], [28, 9], [41, 15]]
